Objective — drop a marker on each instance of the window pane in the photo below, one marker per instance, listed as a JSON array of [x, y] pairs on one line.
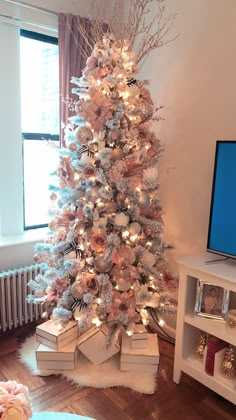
[[40, 160], [39, 86]]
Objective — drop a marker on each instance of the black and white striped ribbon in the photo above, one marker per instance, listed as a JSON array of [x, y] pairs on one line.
[[86, 149], [131, 81], [79, 303]]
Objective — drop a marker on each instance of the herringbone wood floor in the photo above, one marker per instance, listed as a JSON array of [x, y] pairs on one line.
[[188, 400]]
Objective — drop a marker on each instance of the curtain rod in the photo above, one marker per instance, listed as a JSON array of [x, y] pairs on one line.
[[30, 6]]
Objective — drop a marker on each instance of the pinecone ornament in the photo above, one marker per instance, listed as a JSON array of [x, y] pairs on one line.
[[228, 368], [201, 346]]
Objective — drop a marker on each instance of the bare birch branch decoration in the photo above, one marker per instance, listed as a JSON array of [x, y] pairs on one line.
[[131, 23]]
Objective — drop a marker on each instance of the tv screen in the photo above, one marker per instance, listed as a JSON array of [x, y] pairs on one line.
[[222, 223]]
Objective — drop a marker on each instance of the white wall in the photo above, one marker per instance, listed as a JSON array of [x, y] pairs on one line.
[[194, 79]]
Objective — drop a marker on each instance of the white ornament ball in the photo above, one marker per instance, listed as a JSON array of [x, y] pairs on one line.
[[121, 219], [135, 228], [102, 266], [148, 259]]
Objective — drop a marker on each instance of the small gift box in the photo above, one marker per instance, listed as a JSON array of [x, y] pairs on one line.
[[49, 334], [140, 333], [146, 359], [93, 345], [139, 337], [65, 358]]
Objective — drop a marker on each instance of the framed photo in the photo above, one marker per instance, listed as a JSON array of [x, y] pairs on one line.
[[211, 301]]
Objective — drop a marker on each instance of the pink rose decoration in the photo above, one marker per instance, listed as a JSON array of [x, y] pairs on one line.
[[124, 256], [96, 111], [14, 401], [123, 303], [99, 241], [89, 171]]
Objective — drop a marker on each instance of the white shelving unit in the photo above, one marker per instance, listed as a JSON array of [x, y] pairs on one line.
[[189, 325]]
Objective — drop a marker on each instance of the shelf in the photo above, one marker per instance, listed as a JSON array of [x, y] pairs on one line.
[[190, 326], [223, 386], [211, 326]]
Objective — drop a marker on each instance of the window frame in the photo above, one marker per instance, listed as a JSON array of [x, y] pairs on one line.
[[36, 136]]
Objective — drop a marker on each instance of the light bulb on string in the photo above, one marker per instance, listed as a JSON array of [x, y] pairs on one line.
[[125, 234], [97, 322], [133, 238], [161, 322]]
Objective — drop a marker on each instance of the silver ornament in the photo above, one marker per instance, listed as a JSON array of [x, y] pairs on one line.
[[155, 245], [143, 198], [102, 266]]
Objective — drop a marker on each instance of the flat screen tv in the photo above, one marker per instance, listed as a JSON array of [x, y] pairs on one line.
[[222, 221]]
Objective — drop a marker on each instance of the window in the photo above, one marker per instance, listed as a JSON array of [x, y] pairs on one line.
[[39, 121]]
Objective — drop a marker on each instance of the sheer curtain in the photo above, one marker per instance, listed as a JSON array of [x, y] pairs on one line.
[[71, 60]]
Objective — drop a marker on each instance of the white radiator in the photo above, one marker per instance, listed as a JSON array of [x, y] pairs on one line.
[[14, 309]]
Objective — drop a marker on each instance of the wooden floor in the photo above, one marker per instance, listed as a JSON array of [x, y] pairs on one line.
[[188, 400]]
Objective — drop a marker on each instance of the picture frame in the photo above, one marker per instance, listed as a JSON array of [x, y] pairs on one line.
[[211, 301]]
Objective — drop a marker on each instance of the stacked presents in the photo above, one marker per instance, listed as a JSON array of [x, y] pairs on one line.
[[59, 348], [139, 352]]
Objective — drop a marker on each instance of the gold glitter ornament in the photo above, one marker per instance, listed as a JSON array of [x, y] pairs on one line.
[[83, 135], [117, 154], [200, 350], [228, 367]]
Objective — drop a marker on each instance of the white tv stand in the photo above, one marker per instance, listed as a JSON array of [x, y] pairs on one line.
[[189, 326]]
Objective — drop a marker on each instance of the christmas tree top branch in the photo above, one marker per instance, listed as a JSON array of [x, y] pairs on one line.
[[137, 30]]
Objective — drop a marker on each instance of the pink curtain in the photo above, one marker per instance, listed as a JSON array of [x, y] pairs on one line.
[[71, 60]]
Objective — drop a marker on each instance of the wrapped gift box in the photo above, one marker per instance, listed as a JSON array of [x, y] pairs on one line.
[[139, 344], [138, 367], [140, 333], [48, 334], [93, 345], [65, 358], [139, 358]]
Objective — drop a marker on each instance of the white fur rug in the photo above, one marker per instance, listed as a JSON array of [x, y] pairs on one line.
[[105, 375]]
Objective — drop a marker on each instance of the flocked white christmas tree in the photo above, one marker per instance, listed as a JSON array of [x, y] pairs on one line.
[[104, 257]]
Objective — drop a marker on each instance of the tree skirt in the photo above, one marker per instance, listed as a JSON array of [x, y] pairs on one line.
[[105, 375]]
